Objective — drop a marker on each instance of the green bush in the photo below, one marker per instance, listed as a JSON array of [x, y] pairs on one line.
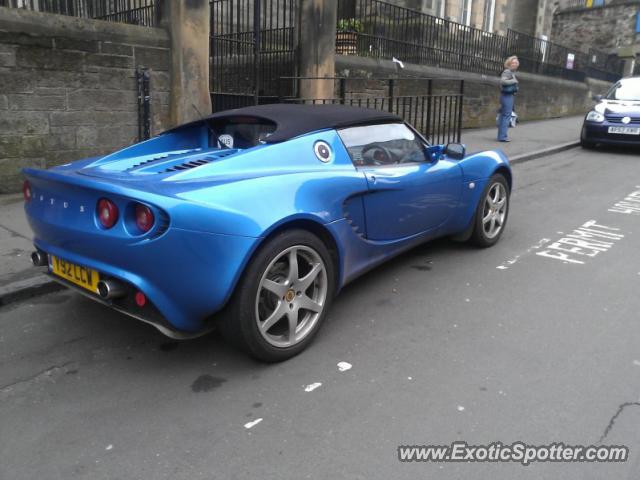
[[349, 25]]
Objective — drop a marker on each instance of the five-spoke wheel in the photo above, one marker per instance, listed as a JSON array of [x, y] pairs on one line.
[[492, 212], [282, 298]]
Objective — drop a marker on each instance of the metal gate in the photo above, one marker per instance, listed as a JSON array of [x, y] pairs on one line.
[[253, 44]]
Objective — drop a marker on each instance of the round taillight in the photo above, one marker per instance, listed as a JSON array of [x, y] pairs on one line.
[[107, 213], [26, 191], [144, 217]]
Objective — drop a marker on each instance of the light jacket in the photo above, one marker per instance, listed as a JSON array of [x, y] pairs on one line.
[[508, 78]]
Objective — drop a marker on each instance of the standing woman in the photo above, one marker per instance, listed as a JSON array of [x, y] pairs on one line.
[[508, 88]]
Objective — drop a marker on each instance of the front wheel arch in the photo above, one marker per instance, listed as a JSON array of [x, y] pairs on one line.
[[506, 173]]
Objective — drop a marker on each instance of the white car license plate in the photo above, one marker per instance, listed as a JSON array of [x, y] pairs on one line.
[[625, 130]]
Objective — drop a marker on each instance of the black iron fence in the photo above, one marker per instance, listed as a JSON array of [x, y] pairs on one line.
[[252, 45], [135, 12], [433, 106], [541, 56], [143, 77], [374, 28]]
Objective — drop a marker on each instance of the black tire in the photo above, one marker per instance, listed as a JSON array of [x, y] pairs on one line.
[[480, 236], [242, 317]]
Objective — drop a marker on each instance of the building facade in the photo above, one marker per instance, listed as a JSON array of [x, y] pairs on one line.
[[495, 16]]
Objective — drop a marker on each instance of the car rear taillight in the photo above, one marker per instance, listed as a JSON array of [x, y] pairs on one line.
[[107, 213], [144, 218], [26, 191]]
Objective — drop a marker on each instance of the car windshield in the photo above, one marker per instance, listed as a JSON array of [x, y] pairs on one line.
[[239, 132], [628, 89]]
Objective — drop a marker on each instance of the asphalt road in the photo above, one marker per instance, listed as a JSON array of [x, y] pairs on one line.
[[446, 343]]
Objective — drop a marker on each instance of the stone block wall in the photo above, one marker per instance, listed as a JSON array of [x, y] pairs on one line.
[[605, 28], [68, 88], [540, 97]]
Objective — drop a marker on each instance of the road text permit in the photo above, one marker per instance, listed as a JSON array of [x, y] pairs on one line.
[[587, 241]]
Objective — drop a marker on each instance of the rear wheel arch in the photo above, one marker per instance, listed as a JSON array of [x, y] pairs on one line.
[[253, 318], [315, 228]]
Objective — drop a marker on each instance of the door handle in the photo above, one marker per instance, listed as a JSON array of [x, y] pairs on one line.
[[371, 177]]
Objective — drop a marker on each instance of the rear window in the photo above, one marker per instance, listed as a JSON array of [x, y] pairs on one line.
[[239, 132]]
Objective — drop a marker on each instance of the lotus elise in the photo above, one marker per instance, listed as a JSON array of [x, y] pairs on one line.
[[254, 219]]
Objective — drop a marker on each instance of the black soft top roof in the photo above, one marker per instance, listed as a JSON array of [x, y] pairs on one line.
[[293, 120]]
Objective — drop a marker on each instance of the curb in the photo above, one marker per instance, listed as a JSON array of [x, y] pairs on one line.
[[22, 290], [525, 157]]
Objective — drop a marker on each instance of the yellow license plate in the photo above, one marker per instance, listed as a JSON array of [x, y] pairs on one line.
[[82, 276]]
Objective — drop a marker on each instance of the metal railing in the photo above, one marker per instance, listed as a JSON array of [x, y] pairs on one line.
[[375, 28], [433, 106], [252, 45], [537, 55], [383, 30], [544, 57], [135, 12], [143, 77]]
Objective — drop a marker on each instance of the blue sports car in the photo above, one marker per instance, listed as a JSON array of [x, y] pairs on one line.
[[259, 215], [615, 119]]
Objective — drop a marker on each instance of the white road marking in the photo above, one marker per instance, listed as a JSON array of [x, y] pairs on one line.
[[253, 423], [537, 246], [630, 205], [312, 387], [344, 366], [460, 408], [109, 447], [588, 240]]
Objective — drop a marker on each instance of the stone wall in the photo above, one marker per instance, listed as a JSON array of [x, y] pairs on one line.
[[68, 88], [605, 28], [539, 97]]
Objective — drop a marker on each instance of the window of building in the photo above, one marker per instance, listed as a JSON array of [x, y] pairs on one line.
[[488, 15], [465, 12]]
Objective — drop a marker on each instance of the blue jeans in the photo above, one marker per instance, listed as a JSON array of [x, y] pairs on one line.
[[506, 109]]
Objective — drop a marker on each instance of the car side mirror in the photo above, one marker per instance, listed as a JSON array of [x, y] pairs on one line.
[[597, 98], [455, 151]]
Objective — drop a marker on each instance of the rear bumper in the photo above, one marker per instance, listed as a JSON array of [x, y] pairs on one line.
[[186, 276], [599, 133], [148, 314]]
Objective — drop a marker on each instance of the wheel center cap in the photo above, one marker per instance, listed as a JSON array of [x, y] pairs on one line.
[[289, 296]]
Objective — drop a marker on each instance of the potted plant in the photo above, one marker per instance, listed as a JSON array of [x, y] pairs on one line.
[[347, 31]]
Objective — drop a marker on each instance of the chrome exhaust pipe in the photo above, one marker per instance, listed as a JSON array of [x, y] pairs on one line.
[[39, 259], [108, 289]]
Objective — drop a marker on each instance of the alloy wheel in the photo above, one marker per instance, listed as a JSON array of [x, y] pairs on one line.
[[494, 211], [291, 296]]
